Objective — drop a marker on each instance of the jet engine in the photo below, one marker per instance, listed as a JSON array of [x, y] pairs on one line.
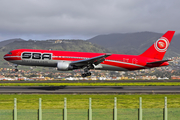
[[64, 66]]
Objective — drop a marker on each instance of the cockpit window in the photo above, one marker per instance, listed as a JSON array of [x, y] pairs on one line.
[[10, 53]]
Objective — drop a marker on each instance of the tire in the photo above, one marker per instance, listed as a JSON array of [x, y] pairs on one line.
[[83, 75], [16, 70]]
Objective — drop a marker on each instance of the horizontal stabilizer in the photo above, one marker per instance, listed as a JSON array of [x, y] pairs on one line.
[[158, 62]]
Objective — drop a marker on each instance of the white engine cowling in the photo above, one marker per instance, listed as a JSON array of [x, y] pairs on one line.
[[64, 66]]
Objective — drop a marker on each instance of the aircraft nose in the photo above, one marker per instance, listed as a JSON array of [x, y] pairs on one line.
[[5, 57]]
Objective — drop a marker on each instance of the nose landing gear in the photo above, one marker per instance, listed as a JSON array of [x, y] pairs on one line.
[[16, 69]]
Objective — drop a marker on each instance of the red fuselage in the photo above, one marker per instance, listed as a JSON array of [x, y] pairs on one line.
[[50, 58]]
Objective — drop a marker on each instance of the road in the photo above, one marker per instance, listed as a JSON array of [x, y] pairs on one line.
[[90, 90]]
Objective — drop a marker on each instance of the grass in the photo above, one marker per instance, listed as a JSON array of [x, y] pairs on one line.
[[102, 106], [95, 84], [97, 114], [82, 101]]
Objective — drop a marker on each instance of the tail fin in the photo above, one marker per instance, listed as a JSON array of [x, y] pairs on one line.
[[158, 49]]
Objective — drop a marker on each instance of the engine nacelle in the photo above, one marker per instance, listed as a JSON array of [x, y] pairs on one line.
[[64, 66]]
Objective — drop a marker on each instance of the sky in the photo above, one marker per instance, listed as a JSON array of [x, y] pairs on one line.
[[84, 19]]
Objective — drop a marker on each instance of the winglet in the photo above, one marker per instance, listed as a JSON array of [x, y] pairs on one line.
[[108, 54]]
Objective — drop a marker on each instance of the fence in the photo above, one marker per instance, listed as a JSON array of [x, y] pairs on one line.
[[91, 114]]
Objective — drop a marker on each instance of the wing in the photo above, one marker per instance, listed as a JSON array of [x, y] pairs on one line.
[[91, 61]]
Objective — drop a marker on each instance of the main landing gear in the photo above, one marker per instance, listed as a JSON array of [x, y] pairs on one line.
[[86, 72]]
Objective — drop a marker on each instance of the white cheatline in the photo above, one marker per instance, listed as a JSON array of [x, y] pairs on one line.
[[127, 63], [11, 56]]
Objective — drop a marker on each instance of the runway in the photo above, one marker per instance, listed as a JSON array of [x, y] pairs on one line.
[[89, 81], [90, 90]]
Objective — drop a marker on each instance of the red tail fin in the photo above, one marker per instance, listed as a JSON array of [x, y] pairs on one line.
[[158, 49]]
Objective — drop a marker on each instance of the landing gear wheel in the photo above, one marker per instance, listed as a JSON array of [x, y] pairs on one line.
[[86, 74], [83, 75], [16, 70]]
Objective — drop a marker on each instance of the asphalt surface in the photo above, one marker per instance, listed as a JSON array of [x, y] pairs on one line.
[[89, 81], [90, 90]]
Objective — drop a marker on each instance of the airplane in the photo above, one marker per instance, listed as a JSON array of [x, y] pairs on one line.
[[68, 60]]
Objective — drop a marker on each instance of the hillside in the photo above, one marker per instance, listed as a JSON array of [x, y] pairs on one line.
[[134, 43], [66, 45], [3, 43]]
